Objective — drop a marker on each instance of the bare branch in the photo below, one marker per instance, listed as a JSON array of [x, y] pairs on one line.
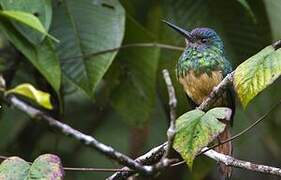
[[85, 139], [173, 104], [230, 161], [205, 105], [96, 169], [151, 157]]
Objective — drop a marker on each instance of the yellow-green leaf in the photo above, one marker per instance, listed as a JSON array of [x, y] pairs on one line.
[[256, 73], [27, 19], [196, 129], [27, 90]]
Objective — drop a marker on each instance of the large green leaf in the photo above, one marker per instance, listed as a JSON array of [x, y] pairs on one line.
[[47, 166], [135, 98], [27, 90], [256, 73], [43, 57], [83, 28], [196, 129], [41, 9], [14, 168], [27, 19]]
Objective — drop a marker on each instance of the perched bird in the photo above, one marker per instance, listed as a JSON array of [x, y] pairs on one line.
[[200, 68]]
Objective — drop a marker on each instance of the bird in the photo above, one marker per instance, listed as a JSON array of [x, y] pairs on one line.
[[202, 66]]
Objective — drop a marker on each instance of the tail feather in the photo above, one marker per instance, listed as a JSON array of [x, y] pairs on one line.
[[224, 170]]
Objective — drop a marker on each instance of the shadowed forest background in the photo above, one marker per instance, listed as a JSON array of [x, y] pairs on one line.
[[121, 97]]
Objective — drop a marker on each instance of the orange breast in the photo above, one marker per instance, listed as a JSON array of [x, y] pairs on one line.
[[198, 87]]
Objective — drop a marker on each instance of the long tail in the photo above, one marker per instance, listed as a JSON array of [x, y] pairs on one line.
[[225, 171]]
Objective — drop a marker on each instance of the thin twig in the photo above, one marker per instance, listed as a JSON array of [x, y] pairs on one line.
[[156, 45], [84, 169], [85, 139], [173, 105], [171, 132], [247, 129], [96, 169], [3, 157]]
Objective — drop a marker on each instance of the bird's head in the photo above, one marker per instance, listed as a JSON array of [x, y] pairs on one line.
[[200, 38]]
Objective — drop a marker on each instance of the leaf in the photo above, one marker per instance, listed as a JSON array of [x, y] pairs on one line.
[[27, 90], [47, 166], [27, 19], [256, 73], [134, 98], [41, 9], [43, 57], [84, 28], [196, 129], [14, 168]]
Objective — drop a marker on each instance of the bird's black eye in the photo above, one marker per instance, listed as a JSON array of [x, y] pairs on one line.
[[203, 40]]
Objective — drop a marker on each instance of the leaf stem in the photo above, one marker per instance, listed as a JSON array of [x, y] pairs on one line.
[[141, 45]]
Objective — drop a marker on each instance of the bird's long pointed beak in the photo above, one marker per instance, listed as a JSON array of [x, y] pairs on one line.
[[183, 32]]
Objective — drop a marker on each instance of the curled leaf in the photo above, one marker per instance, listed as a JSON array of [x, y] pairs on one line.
[[27, 90]]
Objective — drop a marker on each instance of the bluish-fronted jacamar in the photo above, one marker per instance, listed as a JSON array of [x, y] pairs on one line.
[[200, 68]]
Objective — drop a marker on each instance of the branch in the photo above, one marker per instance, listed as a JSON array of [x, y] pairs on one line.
[[171, 132], [205, 104], [85, 139], [151, 157], [230, 161], [156, 45]]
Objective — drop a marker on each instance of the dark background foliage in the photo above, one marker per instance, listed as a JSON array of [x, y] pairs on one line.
[[120, 97]]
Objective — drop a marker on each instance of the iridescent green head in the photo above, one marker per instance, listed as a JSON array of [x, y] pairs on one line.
[[200, 38], [204, 52]]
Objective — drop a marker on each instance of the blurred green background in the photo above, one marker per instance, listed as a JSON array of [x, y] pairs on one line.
[[124, 102]]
